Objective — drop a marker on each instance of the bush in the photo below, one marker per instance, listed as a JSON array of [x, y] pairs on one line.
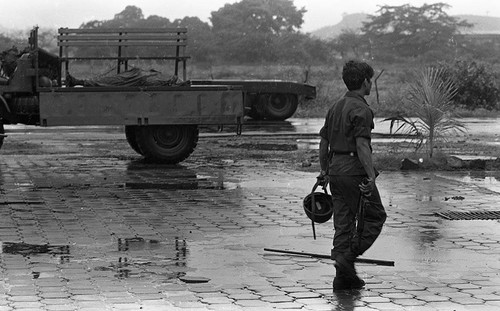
[[477, 86]]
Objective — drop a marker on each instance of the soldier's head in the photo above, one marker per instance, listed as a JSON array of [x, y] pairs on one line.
[[357, 76]]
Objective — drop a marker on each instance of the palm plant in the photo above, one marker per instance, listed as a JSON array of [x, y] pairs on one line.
[[431, 102]]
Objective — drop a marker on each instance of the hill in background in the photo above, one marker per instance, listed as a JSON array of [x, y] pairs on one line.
[[482, 25]]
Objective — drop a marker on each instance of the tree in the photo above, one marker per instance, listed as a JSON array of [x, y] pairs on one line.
[[8, 42], [131, 16], [477, 86], [201, 39], [47, 40], [411, 31], [241, 27], [349, 43]]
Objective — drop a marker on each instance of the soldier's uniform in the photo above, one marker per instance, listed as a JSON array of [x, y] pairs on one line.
[[349, 118]]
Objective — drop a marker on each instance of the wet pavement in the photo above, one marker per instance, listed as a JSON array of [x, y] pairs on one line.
[[86, 225]]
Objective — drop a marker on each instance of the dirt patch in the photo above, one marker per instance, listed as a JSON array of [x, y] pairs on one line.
[[284, 152]]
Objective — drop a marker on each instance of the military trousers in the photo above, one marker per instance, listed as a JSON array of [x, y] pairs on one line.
[[346, 195]]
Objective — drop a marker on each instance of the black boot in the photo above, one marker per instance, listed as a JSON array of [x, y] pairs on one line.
[[346, 277], [340, 282], [357, 283], [345, 262]]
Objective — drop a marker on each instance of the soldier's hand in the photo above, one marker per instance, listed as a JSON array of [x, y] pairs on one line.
[[366, 186], [323, 179]]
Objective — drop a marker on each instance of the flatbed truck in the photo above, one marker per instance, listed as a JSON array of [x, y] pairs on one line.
[[161, 121]]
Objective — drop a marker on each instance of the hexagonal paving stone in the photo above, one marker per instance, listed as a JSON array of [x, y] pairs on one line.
[[303, 295], [375, 299], [464, 286], [432, 298], [252, 303], [248, 296], [409, 302], [277, 299], [397, 296], [217, 300], [288, 306]]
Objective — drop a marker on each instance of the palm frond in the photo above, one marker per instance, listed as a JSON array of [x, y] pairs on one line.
[[431, 99]]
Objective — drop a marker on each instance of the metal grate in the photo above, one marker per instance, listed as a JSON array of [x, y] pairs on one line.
[[479, 215]]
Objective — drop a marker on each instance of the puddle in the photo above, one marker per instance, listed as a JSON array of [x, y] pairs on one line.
[[473, 157], [139, 257], [183, 185], [137, 244], [26, 250], [313, 144], [265, 147], [26, 186], [485, 179], [144, 176], [271, 126], [308, 144], [149, 258], [346, 300]]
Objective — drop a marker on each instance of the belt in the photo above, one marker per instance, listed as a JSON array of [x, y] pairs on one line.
[[351, 153]]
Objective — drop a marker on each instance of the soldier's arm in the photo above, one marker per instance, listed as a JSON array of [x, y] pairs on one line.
[[323, 154], [365, 156]]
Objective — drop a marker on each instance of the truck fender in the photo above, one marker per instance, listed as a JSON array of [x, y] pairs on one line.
[[5, 112]]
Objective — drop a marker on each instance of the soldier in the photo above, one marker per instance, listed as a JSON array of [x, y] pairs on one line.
[[346, 160]]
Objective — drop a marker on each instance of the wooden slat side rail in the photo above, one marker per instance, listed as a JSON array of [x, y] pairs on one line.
[[120, 43], [135, 37], [127, 57], [121, 30], [173, 40]]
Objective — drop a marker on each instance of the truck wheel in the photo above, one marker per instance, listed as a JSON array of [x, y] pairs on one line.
[[281, 106], [169, 144], [130, 133]]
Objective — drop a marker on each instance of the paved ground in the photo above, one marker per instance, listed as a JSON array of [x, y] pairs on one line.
[[85, 225]]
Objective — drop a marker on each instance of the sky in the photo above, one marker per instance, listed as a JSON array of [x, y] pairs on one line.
[[25, 14]]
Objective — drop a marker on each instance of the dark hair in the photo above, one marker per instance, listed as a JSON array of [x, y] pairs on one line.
[[354, 74]]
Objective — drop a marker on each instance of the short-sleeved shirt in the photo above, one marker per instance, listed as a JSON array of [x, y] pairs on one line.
[[347, 119]]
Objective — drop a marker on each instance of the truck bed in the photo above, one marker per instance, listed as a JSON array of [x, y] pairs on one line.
[[141, 105]]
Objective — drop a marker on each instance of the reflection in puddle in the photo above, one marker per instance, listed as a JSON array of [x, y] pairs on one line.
[[308, 144], [167, 260], [33, 249], [27, 186], [265, 146], [313, 144], [180, 185], [137, 244], [143, 176], [346, 300], [183, 185], [484, 179], [25, 249]]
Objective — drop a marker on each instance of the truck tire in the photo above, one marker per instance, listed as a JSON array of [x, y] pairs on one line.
[[130, 134], [168, 144], [280, 106]]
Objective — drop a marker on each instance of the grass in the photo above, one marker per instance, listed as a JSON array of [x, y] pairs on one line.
[[327, 80]]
